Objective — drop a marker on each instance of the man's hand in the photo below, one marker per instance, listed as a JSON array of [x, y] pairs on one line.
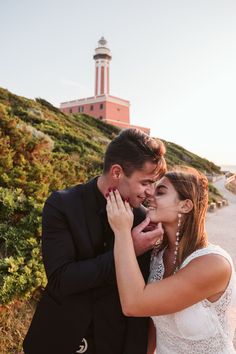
[[145, 236]]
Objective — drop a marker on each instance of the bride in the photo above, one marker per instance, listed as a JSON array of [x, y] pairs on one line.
[[191, 293]]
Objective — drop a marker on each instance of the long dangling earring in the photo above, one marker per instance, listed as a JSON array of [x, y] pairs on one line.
[[177, 239]]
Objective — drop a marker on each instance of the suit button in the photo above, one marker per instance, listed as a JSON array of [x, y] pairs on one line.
[[105, 244]]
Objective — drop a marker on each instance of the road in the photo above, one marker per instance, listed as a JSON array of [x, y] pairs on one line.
[[221, 224]]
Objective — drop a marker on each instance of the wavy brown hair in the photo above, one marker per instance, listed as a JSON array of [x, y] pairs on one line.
[[191, 184]]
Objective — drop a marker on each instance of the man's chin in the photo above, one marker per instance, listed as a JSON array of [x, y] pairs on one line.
[[136, 204]]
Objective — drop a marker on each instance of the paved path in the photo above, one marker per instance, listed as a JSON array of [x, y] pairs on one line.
[[221, 224]]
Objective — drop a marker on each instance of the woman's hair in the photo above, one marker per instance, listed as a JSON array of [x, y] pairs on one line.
[[191, 184], [131, 149]]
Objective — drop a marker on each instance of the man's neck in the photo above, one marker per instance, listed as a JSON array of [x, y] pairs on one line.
[[103, 183]]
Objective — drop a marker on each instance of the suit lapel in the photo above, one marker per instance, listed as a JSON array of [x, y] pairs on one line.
[[93, 219]]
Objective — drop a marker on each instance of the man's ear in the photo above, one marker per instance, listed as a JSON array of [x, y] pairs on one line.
[[186, 206], [116, 172]]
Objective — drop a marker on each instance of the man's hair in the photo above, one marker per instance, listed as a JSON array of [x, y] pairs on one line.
[[131, 149]]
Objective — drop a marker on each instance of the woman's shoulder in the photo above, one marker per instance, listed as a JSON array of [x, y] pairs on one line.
[[211, 262], [213, 253]]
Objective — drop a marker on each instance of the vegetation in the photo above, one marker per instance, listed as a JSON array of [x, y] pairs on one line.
[[42, 149]]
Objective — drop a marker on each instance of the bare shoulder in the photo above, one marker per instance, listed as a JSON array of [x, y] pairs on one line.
[[211, 261], [210, 268]]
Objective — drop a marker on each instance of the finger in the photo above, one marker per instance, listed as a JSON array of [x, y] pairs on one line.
[[113, 200], [143, 224], [119, 201], [109, 205], [160, 227], [128, 207], [154, 235]]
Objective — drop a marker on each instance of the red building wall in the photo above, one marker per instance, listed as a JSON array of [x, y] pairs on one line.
[[117, 112], [102, 110]]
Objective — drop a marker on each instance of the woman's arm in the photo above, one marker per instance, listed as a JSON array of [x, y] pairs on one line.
[[201, 278]]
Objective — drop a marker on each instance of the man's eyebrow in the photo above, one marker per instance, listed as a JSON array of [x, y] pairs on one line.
[[149, 180]]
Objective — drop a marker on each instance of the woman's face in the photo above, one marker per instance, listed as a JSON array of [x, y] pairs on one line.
[[164, 206]]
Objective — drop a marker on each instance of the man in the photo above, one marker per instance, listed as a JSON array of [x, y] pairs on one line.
[[80, 310]]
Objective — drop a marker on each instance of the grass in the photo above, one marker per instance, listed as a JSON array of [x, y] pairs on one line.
[[14, 323]]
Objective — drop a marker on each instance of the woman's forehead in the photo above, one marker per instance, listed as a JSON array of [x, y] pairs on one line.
[[163, 181]]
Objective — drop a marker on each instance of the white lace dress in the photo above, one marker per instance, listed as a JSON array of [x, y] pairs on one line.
[[204, 328]]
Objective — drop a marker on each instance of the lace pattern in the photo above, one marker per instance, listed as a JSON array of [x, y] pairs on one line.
[[176, 344], [156, 266], [172, 336]]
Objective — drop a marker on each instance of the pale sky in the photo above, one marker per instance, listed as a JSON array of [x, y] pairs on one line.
[[174, 60]]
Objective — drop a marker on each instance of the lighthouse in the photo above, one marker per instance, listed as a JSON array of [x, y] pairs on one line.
[[102, 59], [103, 105]]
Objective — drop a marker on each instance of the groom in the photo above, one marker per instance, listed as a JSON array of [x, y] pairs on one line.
[[80, 311]]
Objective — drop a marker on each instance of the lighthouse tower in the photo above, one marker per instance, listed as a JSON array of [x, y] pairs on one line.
[[102, 59], [102, 105]]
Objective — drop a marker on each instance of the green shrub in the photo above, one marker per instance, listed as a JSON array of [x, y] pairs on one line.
[[41, 150]]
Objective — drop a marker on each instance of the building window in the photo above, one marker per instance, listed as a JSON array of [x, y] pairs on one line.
[[80, 109], [91, 108], [101, 105], [100, 117], [70, 110]]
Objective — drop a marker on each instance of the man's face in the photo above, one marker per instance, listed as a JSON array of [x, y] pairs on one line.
[[140, 185]]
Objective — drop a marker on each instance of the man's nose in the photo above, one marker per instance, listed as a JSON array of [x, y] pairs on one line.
[[150, 190]]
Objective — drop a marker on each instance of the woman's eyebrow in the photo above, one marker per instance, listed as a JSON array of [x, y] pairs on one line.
[[161, 186]]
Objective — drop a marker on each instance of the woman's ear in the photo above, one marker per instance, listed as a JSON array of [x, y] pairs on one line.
[[186, 206]]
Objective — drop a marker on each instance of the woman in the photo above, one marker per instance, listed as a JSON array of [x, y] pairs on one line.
[[191, 294]]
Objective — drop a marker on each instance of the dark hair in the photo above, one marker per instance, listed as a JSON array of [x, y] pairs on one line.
[[191, 184], [131, 149]]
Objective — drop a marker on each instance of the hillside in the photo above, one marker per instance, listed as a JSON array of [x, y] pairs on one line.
[[41, 150]]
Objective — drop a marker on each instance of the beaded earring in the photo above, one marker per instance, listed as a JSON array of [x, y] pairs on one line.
[[177, 239]]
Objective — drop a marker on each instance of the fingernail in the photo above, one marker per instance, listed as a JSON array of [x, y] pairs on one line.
[[107, 195], [114, 189], [109, 189]]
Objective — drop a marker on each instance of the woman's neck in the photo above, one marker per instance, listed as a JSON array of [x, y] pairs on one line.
[[170, 232]]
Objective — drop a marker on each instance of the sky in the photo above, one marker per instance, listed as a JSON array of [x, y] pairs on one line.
[[174, 60]]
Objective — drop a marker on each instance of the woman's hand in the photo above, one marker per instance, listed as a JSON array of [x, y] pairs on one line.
[[119, 213]]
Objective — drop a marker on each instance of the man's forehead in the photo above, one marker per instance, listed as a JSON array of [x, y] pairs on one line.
[[152, 177], [151, 168]]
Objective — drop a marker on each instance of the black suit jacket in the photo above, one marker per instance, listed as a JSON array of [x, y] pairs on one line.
[[81, 289]]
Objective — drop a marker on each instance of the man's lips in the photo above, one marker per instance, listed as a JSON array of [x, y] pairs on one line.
[[142, 199]]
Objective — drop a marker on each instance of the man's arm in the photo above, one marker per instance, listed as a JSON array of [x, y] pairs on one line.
[[151, 337], [66, 275]]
